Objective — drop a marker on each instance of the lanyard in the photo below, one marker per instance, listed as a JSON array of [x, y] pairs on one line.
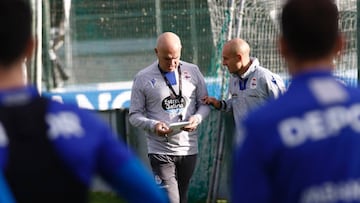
[[169, 85], [242, 83]]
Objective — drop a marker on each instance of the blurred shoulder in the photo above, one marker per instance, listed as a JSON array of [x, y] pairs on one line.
[[86, 117], [354, 92], [266, 115]]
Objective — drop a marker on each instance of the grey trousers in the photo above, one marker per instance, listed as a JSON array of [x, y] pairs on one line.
[[173, 173]]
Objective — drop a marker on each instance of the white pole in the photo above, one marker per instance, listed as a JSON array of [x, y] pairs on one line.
[[231, 9], [214, 182], [194, 40], [38, 56], [67, 40], [240, 17], [158, 17]]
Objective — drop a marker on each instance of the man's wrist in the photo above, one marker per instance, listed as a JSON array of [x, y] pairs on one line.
[[222, 105]]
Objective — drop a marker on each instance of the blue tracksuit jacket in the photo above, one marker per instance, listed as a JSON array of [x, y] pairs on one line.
[[303, 147], [86, 146]]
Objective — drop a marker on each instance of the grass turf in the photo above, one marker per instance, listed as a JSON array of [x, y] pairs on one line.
[[104, 197]]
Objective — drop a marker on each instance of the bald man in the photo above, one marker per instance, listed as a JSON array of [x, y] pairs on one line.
[[166, 92], [250, 84]]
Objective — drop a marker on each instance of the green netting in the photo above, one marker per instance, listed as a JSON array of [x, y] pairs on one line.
[[111, 40]]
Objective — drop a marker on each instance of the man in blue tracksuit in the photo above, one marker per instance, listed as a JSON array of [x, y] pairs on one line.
[[49, 152], [303, 147]]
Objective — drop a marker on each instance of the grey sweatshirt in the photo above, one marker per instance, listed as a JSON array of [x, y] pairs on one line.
[[150, 104], [252, 89]]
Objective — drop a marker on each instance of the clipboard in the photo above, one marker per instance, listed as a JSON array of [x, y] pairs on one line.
[[178, 125]]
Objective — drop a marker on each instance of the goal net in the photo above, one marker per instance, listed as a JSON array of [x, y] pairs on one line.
[[256, 21]]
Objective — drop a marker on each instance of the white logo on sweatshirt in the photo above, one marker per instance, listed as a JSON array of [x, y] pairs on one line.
[[319, 124], [64, 124]]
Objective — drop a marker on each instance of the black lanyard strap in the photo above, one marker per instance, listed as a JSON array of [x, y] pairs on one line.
[[168, 82]]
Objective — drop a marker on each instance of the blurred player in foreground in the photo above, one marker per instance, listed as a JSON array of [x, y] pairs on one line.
[[303, 147], [49, 152]]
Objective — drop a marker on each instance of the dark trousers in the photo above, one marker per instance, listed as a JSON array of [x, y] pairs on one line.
[[173, 173]]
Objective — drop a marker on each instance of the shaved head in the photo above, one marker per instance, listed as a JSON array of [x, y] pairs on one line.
[[236, 56], [168, 51], [238, 46], [168, 40]]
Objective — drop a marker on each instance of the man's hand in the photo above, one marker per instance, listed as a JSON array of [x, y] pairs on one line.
[[211, 101], [194, 122], [162, 129]]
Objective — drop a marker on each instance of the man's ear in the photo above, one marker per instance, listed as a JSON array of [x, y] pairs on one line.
[[156, 51], [29, 49], [283, 47], [339, 44], [239, 57]]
